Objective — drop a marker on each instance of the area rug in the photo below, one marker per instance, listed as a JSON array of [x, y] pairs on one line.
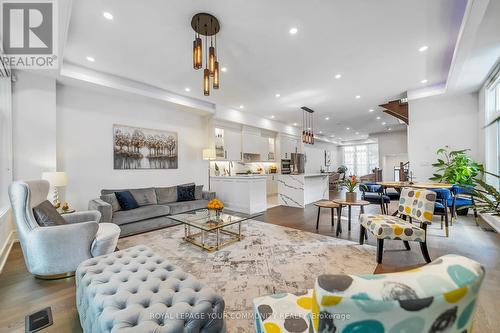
[[270, 259]]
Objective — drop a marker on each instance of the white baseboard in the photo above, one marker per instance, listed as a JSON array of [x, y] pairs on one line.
[[5, 250]]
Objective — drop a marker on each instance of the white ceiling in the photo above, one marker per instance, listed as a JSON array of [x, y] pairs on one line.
[[373, 44]]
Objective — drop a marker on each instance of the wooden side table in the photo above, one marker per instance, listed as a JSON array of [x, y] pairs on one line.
[[326, 204], [349, 204]]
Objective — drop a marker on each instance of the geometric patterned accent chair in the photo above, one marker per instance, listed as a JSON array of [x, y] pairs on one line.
[[438, 297], [415, 205]]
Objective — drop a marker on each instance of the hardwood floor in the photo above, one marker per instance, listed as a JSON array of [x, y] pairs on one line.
[[21, 293]]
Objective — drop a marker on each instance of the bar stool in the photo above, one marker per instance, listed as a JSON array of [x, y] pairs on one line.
[[326, 204]]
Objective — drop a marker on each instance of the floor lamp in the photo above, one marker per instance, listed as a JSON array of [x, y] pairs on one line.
[[209, 155]]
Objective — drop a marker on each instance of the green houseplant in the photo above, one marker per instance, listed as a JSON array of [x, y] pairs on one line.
[[455, 167], [342, 170], [486, 196]]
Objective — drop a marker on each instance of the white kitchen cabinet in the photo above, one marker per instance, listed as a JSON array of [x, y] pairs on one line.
[[245, 194], [251, 142], [288, 145], [228, 144], [272, 184], [232, 140]]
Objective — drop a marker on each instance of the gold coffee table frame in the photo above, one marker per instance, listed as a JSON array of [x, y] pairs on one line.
[[205, 222]]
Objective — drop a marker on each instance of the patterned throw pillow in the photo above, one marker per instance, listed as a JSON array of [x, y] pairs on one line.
[[126, 200], [47, 215], [185, 193]]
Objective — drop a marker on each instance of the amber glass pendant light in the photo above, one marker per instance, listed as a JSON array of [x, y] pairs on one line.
[[206, 25], [216, 75]]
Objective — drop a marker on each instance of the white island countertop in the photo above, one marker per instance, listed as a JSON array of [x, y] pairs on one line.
[[240, 177], [302, 189]]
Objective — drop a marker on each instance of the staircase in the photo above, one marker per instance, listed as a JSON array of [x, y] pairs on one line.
[[397, 108]]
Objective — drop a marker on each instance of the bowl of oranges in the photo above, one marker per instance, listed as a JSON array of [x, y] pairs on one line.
[[216, 205]]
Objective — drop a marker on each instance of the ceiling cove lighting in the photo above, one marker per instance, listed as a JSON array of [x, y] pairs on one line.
[[307, 125], [108, 15], [206, 25], [423, 48], [293, 31], [91, 59]]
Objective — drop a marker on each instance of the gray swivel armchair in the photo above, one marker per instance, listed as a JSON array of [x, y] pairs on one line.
[[56, 251]]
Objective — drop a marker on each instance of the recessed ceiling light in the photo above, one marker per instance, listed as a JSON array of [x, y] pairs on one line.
[[242, 106], [272, 117], [389, 129], [423, 81], [371, 110], [187, 89], [327, 118], [423, 48], [357, 133], [107, 15], [320, 132], [277, 95], [295, 124], [383, 123], [378, 117], [293, 31], [91, 59], [347, 128], [357, 97], [338, 76], [224, 69], [340, 138]]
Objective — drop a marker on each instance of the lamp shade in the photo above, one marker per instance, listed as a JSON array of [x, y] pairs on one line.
[[208, 154], [56, 178]]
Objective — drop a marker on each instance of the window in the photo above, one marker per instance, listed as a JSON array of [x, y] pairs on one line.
[[360, 160], [492, 132]]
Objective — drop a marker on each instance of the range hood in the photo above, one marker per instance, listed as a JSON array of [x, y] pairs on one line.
[[248, 157]]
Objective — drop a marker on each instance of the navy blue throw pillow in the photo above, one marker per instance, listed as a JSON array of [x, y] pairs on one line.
[[185, 193], [126, 200]]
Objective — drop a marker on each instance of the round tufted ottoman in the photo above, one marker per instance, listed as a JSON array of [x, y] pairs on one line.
[[135, 290]]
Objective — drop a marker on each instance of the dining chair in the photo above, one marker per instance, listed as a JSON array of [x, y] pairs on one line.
[[462, 197], [374, 194], [443, 195]]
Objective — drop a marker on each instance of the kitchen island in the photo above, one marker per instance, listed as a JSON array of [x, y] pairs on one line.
[[241, 193], [302, 189]]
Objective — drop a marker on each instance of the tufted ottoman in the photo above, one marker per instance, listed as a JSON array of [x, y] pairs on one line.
[[135, 290]]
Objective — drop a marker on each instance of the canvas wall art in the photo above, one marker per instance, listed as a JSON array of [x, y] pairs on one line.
[[141, 148]]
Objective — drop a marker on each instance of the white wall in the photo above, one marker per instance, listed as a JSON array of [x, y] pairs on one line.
[[392, 149], [34, 125], [438, 121], [85, 141]]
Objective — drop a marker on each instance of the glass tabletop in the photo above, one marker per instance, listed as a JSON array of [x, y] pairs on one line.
[[207, 220]]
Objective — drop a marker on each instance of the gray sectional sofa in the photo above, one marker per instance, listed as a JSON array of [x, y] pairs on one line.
[[155, 205]]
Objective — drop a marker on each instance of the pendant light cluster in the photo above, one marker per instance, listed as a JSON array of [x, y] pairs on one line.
[[208, 26], [307, 125]]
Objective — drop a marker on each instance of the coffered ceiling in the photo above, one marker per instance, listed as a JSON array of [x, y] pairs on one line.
[[373, 45]]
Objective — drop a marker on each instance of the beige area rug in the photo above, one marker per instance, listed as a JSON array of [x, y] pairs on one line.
[[270, 259]]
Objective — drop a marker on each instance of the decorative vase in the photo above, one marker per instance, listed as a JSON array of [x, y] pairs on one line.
[[350, 196]]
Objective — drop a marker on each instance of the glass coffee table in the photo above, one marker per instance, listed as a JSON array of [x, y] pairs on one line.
[[212, 232]]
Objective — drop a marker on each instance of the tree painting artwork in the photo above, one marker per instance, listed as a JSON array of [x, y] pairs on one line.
[[140, 148]]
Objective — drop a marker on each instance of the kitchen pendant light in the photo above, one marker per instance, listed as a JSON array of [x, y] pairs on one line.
[[307, 125], [206, 25], [216, 75]]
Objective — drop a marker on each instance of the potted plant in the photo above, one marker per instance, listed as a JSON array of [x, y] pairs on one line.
[[455, 167], [350, 184], [342, 170]]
